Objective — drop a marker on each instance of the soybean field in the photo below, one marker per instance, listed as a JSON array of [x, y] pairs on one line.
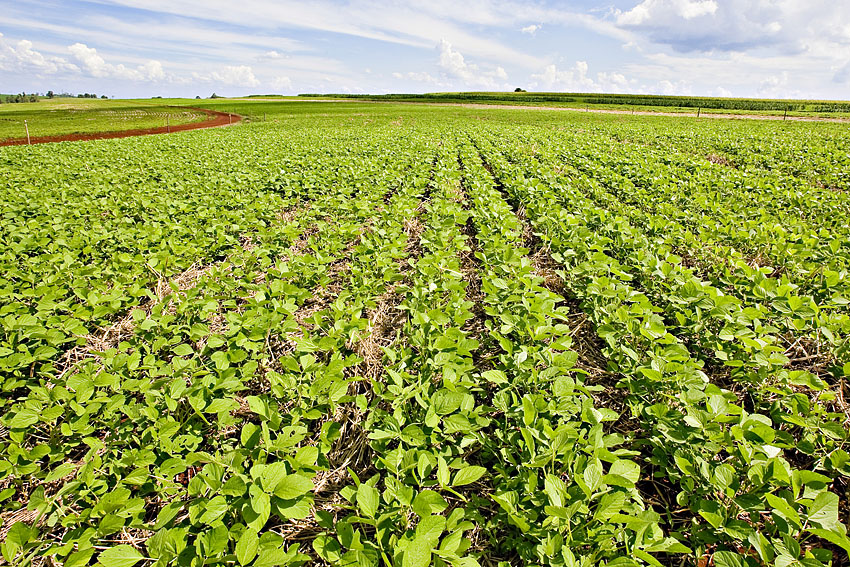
[[375, 334]]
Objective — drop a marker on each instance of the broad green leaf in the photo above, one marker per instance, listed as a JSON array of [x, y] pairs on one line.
[[23, 419], [592, 476], [468, 475], [120, 556], [368, 499], [257, 514], [418, 553], [824, 511], [293, 486], [609, 505], [431, 528], [61, 471], [246, 547]]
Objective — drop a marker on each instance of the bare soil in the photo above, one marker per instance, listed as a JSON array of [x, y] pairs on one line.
[[216, 119]]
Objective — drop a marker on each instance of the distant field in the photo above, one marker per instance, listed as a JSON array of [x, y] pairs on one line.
[[655, 103], [68, 116], [75, 116]]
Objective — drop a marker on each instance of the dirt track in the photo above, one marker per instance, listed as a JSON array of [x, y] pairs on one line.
[[217, 119]]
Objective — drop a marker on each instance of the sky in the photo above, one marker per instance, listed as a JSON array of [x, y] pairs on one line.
[[130, 48]]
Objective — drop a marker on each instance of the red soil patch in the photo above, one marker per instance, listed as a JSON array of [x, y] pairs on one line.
[[216, 119]]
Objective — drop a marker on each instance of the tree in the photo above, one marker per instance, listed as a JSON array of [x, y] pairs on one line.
[[215, 96], [519, 90], [103, 96], [49, 94]]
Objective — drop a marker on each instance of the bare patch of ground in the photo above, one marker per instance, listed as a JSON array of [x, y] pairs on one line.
[[216, 119]]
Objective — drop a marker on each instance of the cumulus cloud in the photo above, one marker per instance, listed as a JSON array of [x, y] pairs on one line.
[[231, 75], [673, 88], [577, 79], [788, 26], [649, 11], [96, 66], [282, 83], [774, 86], [454, 65], [532, 29], [22, 57], [272, 55], [419, 77]]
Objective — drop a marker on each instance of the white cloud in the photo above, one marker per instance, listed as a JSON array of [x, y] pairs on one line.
[[576, 79], [454, 65], [22, 57], [419, 77], [650, 10], [532, 29], [670, 88], [96, 66], [282, 83], [774, 86], [272, 55], [232, 76], [786, 26], [418, 23]]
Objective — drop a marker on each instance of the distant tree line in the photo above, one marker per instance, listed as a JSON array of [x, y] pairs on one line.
[[35, 97], [23, 97]]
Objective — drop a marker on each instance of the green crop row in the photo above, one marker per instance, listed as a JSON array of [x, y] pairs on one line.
[[393, 335]]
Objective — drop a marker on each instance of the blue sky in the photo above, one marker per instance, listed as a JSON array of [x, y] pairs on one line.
[[124, 48]]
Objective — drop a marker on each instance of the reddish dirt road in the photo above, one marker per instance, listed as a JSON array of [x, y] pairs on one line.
[[216, 119]]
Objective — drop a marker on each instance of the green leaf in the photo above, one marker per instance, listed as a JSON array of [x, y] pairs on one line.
[[214, 510], [609, 505], [368, 499], [495, 376], [183, 350], [824, 511], [79, 558], [272, 476], [327, 548], [418, 553], [835, 537], [431, 528], [61, 471], [468, 475], [668, 545], [592, 476], [137, 477], [274, 558], [246, 547], [728, 559], [120, 556], [293, 486], [258, 513], [711, 511], [429, 502], [24, 419], [443, 474], [784, 509]]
